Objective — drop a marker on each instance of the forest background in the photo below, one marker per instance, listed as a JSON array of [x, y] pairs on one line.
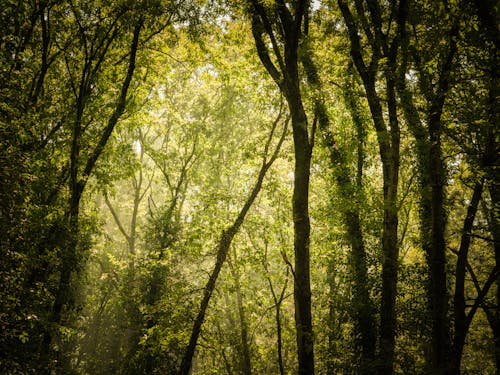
[[259, 186]]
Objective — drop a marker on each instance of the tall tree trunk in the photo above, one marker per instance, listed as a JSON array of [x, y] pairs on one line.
[[432, 225], [437, 255], [390, 244], [287, 79], [388, 137], [390, 251], [362, 304], [492, 166], [436, 175], [300, 207], [432, 179]]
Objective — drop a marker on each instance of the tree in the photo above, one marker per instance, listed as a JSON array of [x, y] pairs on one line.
[[224, 245], [71, 169], [347, 188], [384, 49], [144, 230], [438, 70], [75, 64], [283, 26]]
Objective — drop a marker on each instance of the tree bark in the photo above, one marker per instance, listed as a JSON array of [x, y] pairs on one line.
[[433, 182], [432, 179], [302, 290], [437, 255], [363, 304]]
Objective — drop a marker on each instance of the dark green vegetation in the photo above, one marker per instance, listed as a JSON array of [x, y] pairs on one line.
[[250, 186]]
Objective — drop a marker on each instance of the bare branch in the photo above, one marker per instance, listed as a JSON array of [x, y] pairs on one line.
[[116, 217]]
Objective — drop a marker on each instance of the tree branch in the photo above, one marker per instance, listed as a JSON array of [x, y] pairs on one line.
[[119, 109]]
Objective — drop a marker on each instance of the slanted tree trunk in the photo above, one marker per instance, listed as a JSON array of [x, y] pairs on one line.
[[461, 320], [223, 247]]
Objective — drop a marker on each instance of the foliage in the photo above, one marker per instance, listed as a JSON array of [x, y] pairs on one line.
[[131, 134]]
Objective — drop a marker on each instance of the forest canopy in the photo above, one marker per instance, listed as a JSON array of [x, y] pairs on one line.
[[249, 187]]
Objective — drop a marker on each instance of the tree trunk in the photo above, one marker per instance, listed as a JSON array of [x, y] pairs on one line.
[[278, 300], [287, 79], [363, 307], [300, 207], [432, 174], [388, 137], [437, 255], [432, 222], [494, 316], [390, 251], [223, 246], [362, 303], [460, 317], [279, 339], [245, 361]]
